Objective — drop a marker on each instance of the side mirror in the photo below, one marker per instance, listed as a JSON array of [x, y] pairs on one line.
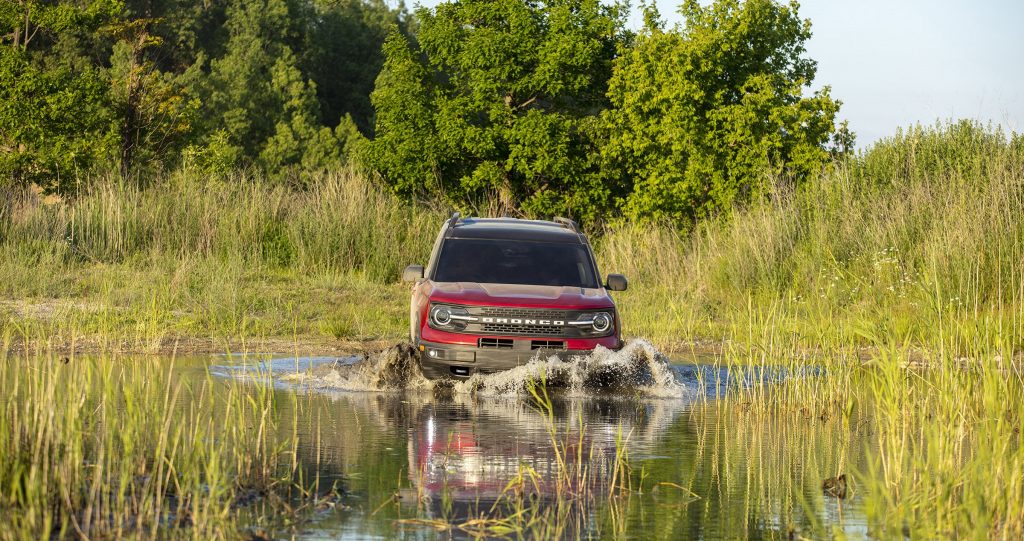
[[412, 273], [617, 282]]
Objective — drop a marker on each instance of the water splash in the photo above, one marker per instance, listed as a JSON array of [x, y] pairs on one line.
[[638, 369], [394, 369]]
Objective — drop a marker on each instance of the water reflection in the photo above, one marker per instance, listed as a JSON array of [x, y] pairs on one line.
[[701, 466], [473, 450]]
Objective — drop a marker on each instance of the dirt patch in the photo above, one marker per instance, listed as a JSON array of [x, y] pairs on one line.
[[303, 346], [46, 309]]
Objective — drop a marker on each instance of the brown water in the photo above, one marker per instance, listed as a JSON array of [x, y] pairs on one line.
[[399, 448]]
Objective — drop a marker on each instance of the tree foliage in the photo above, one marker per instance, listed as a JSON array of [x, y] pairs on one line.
[[154, 111], [343, 55], [499, 100], [530, 107], [53, 122], [55, 118], [267, 108], [702, 115], [139, 85], [551, 107]]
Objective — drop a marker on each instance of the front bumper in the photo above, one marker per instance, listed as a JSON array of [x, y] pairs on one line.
[[441, 360]]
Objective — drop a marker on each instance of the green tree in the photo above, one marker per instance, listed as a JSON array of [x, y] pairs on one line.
[[499, 100], [188, 32], [154, 110], [343, 55], [702, 115], [406, 150], [55, 115], [260, 98]]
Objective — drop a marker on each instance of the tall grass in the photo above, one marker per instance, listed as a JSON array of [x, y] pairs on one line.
[[939, 446], [929, 210], [341, 224], [103, 447], [221, 257], [927, 222]]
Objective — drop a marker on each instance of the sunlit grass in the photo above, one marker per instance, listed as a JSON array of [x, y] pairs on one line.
[[112, 447], [871, 241], [191, 257]]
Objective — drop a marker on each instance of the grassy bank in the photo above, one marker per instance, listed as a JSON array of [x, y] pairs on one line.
[[924, 225], [218, 260]]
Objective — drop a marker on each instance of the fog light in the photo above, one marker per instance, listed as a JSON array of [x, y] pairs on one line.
[[433, 353]]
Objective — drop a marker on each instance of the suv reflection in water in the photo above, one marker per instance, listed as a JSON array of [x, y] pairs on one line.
[[471, 452]]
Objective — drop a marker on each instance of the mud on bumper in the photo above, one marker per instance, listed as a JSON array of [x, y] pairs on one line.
[[461, 361]]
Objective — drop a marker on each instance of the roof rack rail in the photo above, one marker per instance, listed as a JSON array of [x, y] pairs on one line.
[[567, 223], [451, 224]]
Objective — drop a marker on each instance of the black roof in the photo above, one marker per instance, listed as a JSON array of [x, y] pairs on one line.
[[514, 229]]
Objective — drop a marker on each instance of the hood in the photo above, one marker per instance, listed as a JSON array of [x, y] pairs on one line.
[[521, 296]]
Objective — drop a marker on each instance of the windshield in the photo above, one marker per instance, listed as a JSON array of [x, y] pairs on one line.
[[515, 262]]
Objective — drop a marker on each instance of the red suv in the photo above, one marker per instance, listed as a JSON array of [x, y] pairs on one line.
[[498, 292]]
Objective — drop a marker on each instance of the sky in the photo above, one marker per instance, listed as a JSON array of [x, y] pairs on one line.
[[902, 62]]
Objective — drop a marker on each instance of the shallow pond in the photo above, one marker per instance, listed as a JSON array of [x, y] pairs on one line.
[[679, 459]]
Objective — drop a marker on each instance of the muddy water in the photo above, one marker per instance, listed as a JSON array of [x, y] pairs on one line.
[[408, 453]]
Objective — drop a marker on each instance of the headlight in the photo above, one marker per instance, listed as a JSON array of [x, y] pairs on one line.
[[602, 322], [449, 318], [442, 316], [599, 323]]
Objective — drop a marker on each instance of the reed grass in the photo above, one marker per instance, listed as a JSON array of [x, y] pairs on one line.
[[222, 257], [109, 447], [930, 210], [936, 426], [341, 224]]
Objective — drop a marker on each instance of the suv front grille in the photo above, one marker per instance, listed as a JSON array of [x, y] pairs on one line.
[[527, 324], [534, 330]]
